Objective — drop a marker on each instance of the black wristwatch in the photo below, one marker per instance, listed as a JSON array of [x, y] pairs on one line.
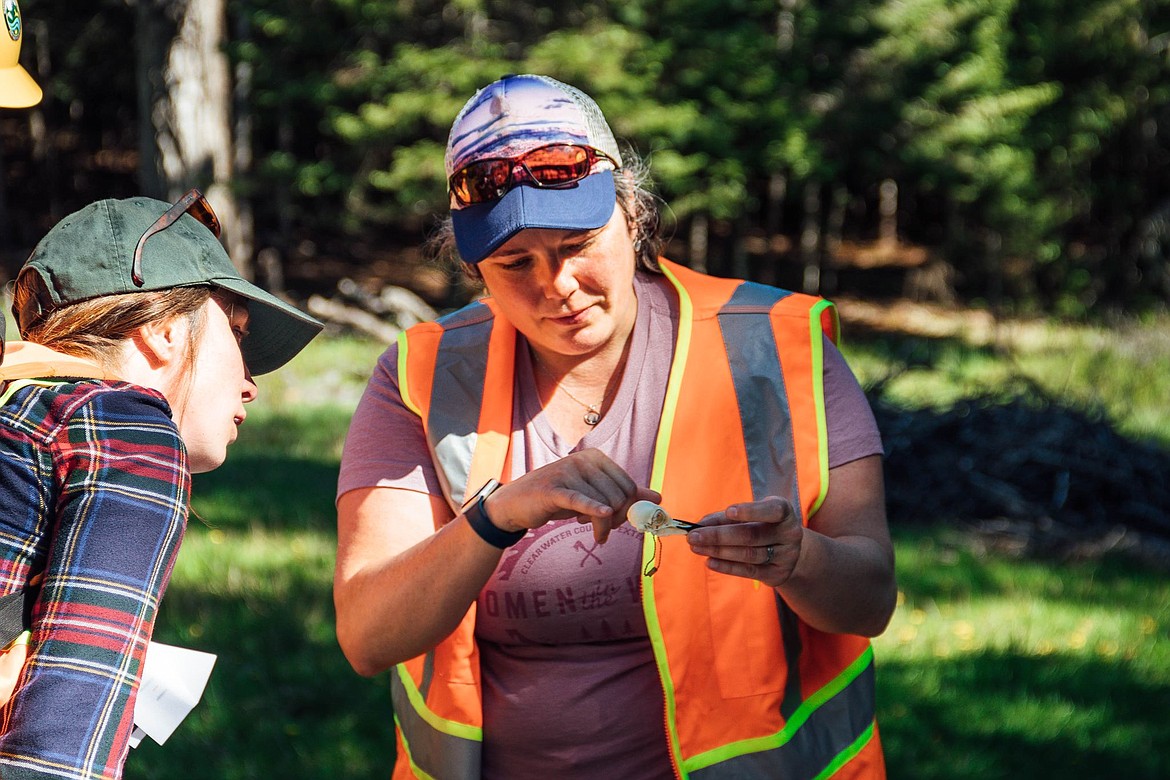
[[477, 517]]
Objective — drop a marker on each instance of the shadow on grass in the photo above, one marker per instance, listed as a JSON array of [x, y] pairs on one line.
[[949, 565], [1000, 715], [273, 492], [282, 701], [902, 351], [281, 474], [1058, 473]]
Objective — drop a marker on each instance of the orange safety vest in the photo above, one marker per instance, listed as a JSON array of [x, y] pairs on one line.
[[750, 689]]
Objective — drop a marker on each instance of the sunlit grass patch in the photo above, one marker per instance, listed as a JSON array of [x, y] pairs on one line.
[[996, 666], [1123, 370], [331, 371]]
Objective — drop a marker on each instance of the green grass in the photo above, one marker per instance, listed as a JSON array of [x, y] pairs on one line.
[[253, 585], [993, 667], [996, 667], [1122, 370]]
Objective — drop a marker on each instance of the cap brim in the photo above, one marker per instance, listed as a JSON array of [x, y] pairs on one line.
[[482, 228], [17, 89], [277, 330]]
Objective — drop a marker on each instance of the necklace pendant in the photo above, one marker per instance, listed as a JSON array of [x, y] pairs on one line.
[[592, 417]]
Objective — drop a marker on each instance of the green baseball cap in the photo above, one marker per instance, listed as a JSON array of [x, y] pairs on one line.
[[90, 253]]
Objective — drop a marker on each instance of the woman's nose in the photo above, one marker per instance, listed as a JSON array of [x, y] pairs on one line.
[[563, 280], [250, 391]]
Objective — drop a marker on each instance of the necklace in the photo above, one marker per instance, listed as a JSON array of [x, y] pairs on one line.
[[592, 413]]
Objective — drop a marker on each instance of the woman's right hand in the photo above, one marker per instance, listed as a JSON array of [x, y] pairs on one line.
[[400, 586], [586, 485]]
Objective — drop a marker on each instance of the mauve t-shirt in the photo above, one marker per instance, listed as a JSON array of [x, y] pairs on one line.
[[569, 681]]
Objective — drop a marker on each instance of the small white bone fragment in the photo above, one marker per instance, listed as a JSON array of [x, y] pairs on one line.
[[649, 518]]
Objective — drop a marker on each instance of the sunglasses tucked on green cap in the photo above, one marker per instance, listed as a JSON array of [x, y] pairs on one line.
[[90, 253]]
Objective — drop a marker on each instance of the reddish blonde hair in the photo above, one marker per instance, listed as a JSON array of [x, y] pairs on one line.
[[95, 329]]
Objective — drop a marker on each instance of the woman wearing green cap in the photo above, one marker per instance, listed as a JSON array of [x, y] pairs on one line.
[[140, 342], [484, 554]]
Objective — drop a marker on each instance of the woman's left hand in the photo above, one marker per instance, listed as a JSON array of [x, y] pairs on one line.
[[760, 540]]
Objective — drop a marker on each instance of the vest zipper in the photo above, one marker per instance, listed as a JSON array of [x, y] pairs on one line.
[[665, 710]]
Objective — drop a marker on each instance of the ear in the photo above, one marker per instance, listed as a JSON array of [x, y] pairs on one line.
[[628, 201], [163, 342]]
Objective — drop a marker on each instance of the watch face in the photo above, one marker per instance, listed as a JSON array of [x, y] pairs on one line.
[[488, 488]]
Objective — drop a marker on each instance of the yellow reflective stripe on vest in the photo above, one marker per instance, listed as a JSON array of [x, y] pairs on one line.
[[686, 319], [403, 376], [804, 748], [818, 349], [849, 753], [437, 747], [13, 385]]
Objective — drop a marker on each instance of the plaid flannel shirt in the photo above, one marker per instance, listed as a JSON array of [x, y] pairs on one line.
[[94, 490]]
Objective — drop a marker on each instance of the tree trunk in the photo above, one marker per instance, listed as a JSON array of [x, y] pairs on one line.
[[242, 144], [786, 27], [185, 101], [773, 227], [698, 242], [810, 238], [831, 244], [738, 265], [44, 151], [888, 211]]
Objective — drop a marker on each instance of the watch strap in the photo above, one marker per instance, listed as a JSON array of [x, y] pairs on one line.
[[477, 518]]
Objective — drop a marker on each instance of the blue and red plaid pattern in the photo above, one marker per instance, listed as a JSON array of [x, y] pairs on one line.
[[94, 491]]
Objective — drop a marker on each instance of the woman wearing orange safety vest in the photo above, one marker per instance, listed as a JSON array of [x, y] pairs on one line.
[[483, 549]]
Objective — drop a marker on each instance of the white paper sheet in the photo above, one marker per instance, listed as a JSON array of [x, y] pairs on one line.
[[173, 679]]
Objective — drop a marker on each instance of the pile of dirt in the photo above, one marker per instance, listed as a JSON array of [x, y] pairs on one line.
[[1028, 472]]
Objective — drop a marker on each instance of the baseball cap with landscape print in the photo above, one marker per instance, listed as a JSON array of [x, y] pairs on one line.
[[508, 119], [92, 253]]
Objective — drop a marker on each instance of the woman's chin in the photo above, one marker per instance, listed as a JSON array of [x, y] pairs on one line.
[[205, 461]]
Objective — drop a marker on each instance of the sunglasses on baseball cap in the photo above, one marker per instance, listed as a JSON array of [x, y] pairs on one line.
[[525, 152], [88, 254], [551, 166], [192, 203]]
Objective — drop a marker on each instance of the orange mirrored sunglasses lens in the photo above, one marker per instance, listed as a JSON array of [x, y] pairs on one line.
[[557, 164], [547, 166], [201, 210], [481, 181]]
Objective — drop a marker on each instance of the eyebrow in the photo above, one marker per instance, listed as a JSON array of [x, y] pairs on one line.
[[503, 254], [582, 235]]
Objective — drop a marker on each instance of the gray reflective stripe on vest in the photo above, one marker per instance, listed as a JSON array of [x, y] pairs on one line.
[[830, 730], [759, 388], [439, 754], [460, 369], [793, 647], [750, 344], [834, 726]]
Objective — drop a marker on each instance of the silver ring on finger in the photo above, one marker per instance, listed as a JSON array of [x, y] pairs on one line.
[[769, 554]]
